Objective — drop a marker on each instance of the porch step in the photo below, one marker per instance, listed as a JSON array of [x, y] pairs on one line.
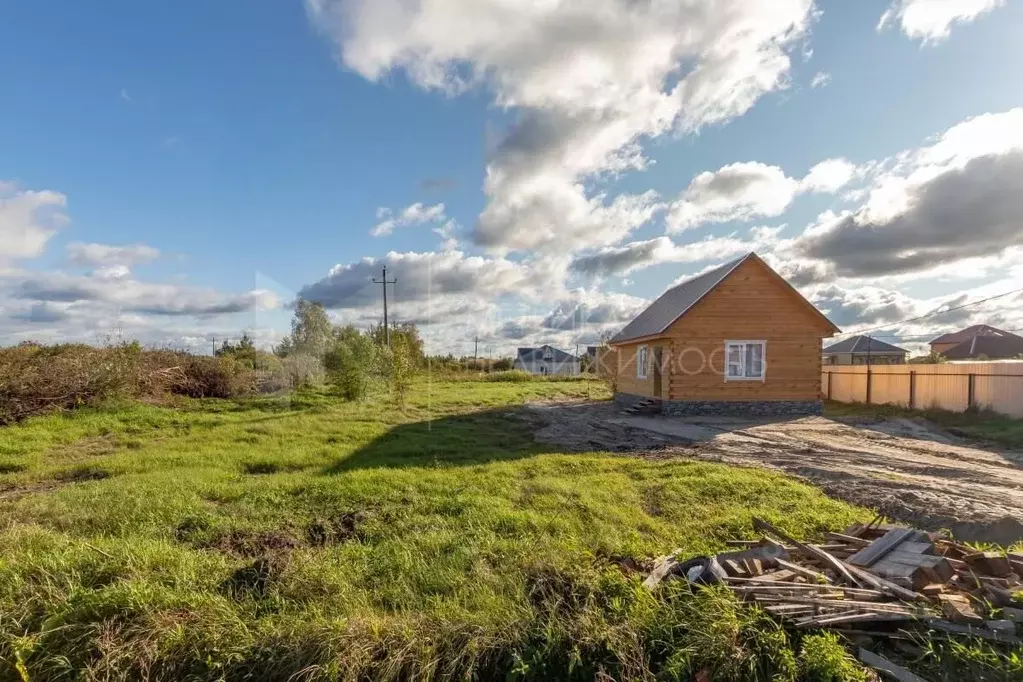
[[645, 406]]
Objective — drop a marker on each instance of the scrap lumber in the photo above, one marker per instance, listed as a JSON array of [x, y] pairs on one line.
[[805, 572], [884, 665], [780, 575], [877, 549], [766, 527], [913, 570], [885, 586], [662, 570], [847, 539], [958, 609], [990, 563], [880, 581], [856, 617]]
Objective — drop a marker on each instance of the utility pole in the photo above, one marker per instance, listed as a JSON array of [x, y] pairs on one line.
[[476, 350], [383, 281], [214, 346]]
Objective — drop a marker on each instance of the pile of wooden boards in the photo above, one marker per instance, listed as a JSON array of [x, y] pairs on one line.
[[889, 579]]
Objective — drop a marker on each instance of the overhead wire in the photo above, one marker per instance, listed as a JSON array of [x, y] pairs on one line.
[[860, 332]]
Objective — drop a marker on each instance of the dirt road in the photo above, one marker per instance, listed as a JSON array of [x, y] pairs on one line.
[[909, 470]]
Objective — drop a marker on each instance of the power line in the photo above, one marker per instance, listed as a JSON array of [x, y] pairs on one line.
[[911, 337], [932, 313]]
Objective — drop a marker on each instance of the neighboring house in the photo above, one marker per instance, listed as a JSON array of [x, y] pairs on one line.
[[546, 360], [946, 342], [862, 350], [736, 339], [1006, 347]]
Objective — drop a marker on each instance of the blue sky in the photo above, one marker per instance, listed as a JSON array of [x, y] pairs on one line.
[[252, 147]]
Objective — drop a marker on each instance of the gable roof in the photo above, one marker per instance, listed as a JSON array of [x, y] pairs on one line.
[[994, 347], [675, 302], [863, 344], [534, 354], [971, 333]]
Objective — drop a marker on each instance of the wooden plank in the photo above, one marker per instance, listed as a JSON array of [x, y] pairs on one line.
[[989, 563], [848, 539], [732, 567], [762, 525], [789, 609], [877, 549], [884, 665], [915, 570], [917, 547], [779, 576], [805, 572], [882, 607], [880, 583], [958, 609], [749, 584], [969, 630], [837, 619], [661, 571]]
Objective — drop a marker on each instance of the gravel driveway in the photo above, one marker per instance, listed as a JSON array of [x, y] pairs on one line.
[[907, 469]]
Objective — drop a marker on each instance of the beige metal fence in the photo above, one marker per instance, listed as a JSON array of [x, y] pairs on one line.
[[987, 385]]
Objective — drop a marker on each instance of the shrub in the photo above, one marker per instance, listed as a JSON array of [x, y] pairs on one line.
[[401, 361], [351, 362]]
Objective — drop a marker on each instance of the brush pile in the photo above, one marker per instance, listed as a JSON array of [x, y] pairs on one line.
[[875, 580]]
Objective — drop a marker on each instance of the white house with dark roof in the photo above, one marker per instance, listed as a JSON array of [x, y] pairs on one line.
[[546, 360]]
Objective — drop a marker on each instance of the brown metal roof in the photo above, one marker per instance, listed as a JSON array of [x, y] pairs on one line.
[[970, 333], [675, 302]]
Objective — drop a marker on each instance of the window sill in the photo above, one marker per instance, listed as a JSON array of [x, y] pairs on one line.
[[744, 379]]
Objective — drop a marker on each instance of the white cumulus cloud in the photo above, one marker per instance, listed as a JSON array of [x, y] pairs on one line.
[[589, 83], [931, 20], [750, 189], [28, 219], [104, 255], [415, 214]]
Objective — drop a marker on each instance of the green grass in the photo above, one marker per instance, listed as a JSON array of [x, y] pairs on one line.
[[308, 537], [983, 424]]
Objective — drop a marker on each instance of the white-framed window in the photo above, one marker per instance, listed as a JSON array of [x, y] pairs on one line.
[[745, 360], [642, 356]]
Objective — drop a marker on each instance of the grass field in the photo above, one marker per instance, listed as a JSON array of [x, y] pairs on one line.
[[309, 538]]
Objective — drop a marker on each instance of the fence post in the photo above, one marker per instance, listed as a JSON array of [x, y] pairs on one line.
[[912, 389], [868, 384], [829, 385], [971, 390]]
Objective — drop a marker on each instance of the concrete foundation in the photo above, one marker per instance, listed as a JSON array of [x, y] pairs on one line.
[[729, 408]]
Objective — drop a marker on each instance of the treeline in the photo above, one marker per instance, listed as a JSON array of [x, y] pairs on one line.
[[37, 378]]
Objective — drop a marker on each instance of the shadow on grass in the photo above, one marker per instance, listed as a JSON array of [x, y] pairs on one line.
[[456, 440]]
